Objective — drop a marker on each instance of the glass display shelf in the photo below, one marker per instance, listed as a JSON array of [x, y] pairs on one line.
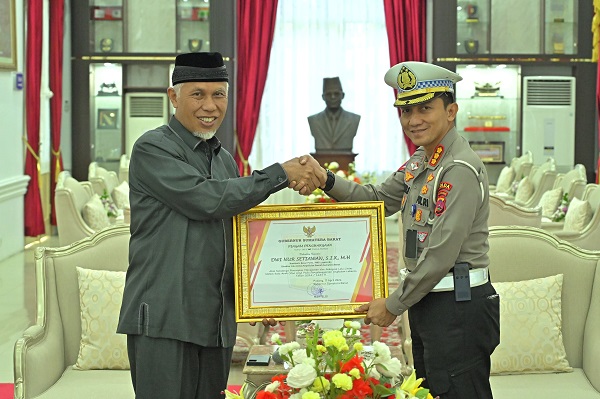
[[106, 113], [472, 27], [193, 27], [106, 27], [560, 28], [488, 100]]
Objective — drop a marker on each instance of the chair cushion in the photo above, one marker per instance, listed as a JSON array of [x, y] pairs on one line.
[[531, 338], [94, 213], [550, 200], [524, 190], [507, 175], [578, 215], [100, 298], [120, 195]]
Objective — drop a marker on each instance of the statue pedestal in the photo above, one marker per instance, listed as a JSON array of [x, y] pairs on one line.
[[342, 158]]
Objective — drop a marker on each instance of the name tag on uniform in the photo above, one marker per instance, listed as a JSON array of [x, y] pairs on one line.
[[410, 247]]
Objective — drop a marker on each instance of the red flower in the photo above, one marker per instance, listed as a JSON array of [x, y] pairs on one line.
[[361, 388], [355, 362], [266, 395], [282, 385]]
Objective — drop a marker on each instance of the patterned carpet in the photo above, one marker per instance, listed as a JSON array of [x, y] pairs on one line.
[[389, 335]]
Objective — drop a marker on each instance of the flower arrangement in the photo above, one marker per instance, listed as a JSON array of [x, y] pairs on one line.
[[560, 212], [109, 205], [337, 366], [319, 196]]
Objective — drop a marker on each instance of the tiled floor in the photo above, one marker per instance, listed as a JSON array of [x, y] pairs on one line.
[[18, 303]]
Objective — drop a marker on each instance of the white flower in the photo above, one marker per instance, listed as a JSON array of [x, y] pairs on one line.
[[275, 338], [301, 376], [341, 173], [390, 368], [272, 387], [374, 373], [382, 352], [299, 355], [289, 347], [355, 325], [334, 165], [310, 361], [311, 198]]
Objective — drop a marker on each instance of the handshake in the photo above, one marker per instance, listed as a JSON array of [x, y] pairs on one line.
[[305, 174]]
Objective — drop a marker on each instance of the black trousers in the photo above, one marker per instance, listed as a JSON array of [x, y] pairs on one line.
[[166, 368], [452, 342]]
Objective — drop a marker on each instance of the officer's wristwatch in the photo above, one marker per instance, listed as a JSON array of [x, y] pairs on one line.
[[330, 181]]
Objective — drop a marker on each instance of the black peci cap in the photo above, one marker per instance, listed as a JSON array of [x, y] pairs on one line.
[[199, 67]]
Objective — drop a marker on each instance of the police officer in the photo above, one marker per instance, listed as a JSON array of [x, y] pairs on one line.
[[442, 194]]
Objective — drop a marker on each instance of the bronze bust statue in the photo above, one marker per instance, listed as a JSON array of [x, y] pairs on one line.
[[333, 128]]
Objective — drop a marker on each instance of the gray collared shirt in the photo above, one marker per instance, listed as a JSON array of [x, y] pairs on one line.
[[184, 193]]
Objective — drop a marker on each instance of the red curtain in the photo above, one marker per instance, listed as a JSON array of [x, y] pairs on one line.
[[406, 25], [56, 72], [255, 29], [34, 217]]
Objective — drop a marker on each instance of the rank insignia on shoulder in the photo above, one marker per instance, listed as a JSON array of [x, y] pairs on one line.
[[424, 189], [445, 186], [422, 235], [437, 153], [440, 206], [430, 177], [414, 165], [408, 177]]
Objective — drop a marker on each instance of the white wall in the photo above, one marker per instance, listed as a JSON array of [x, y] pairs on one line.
[[13, 182]]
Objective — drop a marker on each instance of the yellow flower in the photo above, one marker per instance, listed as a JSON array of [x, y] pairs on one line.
[[358, 346], [342, 381], [234, 395], [311, 395], [321, 384], [354, 373], [321, 348], [412, 386], [336, 339]]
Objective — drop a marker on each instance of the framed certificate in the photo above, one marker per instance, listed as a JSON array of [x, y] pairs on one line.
[[310, 261]]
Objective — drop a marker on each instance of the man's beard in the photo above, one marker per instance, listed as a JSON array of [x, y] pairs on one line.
[[204, 136]]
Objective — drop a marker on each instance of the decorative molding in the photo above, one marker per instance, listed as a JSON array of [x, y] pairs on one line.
[[522, 60], [119, 58], [13, 187]]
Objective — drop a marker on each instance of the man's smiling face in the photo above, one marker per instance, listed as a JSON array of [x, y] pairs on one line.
[[200, 106]]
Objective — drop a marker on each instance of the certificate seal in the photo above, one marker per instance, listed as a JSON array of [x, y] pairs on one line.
[[316, 290]]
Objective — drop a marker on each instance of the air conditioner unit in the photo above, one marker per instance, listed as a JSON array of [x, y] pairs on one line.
[[549, 119], [145, 111]]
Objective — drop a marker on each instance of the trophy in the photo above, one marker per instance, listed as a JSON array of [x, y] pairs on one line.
[[472, 12], [558, 44], [108, 89], [195, 45], [471, 46], [106, 44]]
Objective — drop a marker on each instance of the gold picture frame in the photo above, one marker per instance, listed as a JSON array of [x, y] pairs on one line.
[[489, 151], [309, 261], [8, 35], [108, 118]]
